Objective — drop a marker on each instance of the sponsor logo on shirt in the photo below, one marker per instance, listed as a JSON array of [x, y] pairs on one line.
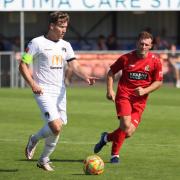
[[147, 68], [56, 62], [51, 67], [138, 75]]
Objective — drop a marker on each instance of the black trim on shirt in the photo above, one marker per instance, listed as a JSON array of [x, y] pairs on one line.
[[71, 59]]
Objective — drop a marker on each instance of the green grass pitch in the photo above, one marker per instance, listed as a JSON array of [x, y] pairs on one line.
[[153, 153]]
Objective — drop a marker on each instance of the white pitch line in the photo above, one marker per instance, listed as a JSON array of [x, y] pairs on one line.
[[92, 143]]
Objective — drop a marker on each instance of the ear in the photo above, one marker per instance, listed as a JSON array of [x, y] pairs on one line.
[[51, 26]]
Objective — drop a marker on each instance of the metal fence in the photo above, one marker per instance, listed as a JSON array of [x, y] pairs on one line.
[[9, 75], [96, 63]]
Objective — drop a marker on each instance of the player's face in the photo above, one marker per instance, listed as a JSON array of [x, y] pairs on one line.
[[143, 46], [59, 29]]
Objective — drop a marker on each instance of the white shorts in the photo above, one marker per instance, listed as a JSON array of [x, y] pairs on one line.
[[53, 106]]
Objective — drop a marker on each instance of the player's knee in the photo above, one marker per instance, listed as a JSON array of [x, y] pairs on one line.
[[129, 132], [125, 126], [55, 127], [56, 130]]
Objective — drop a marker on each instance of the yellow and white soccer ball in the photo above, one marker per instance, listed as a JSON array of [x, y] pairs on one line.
[[93, 165]]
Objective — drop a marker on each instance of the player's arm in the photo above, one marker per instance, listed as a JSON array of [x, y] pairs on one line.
[[110, 82], [157, 80], [25, 72], [78, 69], [142, 91]]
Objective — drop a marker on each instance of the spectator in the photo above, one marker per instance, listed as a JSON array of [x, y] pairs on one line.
[[101, 43], [174, 59], [160, 44], [16, 44], [112, 42]]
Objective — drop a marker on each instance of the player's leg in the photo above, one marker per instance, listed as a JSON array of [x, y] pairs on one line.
[[55, 126], [129, 114], [33, 140], [130, 126], [123, 107], [118, 136], [50, 145], [45, 103], [50, 131]]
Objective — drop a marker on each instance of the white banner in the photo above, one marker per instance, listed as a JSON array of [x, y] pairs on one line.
[[90, 5]]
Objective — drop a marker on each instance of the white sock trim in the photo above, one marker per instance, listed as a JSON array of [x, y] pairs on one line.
[[114, 156], [105, 138]]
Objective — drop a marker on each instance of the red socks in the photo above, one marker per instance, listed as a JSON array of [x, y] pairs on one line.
[[117, 137]]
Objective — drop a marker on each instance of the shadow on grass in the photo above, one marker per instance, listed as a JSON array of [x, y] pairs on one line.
[[67, 160], [25, 160], [9, 170], [55, 160]]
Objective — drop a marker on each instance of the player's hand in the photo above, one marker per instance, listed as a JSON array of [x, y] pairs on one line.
[[110, 96], [140, 91], [37, 89], [91, 80]]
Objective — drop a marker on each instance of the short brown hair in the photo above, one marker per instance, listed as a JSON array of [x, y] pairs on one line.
[[145, 35], [58, 16]]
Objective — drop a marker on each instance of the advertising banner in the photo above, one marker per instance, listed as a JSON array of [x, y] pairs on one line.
[[90, 5]]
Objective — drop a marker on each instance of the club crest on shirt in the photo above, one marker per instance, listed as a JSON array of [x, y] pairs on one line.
[[147, 68], [64, 49]]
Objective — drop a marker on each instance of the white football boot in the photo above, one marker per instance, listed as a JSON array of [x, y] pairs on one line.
[[30, 148], [45, 166]]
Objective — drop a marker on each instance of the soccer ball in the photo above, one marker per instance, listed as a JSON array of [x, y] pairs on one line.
[[93, 165]]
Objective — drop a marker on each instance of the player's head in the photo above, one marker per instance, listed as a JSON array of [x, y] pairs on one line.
[[144, 43], [58, 22]]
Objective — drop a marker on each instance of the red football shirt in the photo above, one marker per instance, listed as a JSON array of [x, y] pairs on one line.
[[136, 72]]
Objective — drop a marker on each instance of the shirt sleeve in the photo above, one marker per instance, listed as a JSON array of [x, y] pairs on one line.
[[158, 74], [117, 65], [70, 53], [30, 51]]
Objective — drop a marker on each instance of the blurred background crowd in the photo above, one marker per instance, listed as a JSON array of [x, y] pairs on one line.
[[98, 38]]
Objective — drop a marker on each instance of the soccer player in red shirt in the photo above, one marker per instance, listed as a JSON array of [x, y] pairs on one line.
[[141, 74]]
